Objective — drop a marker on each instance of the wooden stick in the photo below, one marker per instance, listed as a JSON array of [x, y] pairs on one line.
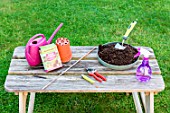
[[68, 69]]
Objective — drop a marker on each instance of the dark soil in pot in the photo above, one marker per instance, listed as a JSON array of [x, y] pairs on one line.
[[109, 54]]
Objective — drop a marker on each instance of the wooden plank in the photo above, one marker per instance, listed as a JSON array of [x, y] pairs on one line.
[[19, 52], [73, 83], [77, 52], [75, 56], [20, 66]]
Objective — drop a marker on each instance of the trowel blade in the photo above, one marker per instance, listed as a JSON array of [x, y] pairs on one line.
[[118, 46]]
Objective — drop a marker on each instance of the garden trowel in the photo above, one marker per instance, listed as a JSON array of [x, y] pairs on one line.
[[129, 29]]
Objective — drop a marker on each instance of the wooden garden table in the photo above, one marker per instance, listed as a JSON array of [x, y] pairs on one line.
[[21, 79]]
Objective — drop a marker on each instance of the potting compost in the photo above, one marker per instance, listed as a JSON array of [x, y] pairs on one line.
[[111, 55]]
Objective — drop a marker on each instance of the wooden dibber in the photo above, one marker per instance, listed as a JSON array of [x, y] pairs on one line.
[[67, 69]]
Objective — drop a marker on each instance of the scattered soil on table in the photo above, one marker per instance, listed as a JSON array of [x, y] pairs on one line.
[[111, 55]]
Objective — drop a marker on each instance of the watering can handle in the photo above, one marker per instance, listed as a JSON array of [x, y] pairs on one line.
[[29, 42], [35, 36]]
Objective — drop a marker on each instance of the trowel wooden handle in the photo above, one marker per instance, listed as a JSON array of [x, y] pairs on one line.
[[131, 26]]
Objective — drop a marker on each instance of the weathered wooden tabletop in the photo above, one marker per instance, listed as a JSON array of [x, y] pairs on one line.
[[20, 76]]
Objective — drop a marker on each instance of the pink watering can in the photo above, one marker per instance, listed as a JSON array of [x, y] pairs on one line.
[[32, 48]]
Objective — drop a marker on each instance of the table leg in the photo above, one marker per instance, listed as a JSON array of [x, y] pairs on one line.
[[150, 103], [137, 102], [31, 102], [143, 99], [22, 101]]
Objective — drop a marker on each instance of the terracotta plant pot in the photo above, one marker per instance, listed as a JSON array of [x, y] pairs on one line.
[[63, 45]]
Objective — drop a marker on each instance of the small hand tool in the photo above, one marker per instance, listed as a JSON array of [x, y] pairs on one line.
[[93, 72], [89, 80], [129, 29]]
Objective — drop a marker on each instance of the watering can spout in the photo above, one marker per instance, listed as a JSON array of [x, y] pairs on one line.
[[54, 33]]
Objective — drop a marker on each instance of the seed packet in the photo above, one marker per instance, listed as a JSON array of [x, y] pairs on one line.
[[50, 57]]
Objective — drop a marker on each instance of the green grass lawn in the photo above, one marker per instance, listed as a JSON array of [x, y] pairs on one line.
[[86, 22]]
